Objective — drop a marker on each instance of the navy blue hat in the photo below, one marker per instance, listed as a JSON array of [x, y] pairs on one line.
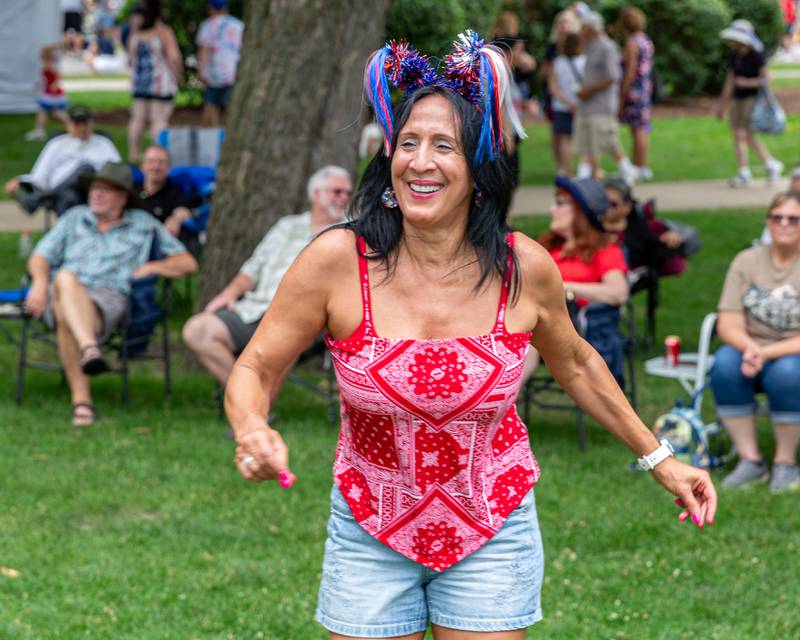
[[218, 4], [590, 196]]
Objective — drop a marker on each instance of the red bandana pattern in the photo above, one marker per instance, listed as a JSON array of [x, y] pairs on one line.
[[432, 456]]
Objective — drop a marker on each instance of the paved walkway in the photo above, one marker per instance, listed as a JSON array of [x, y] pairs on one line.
[[671, 196]]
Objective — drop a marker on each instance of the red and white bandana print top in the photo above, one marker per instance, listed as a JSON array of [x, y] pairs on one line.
[[432, 456]]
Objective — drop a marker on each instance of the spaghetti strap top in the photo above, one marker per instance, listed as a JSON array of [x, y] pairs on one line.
[[432, 456]]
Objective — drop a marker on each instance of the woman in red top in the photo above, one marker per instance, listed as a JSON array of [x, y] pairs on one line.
[[592, 265], [590, 262], [429, 303]]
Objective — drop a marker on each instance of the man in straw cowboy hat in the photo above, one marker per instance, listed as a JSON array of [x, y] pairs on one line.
[[93, 253]]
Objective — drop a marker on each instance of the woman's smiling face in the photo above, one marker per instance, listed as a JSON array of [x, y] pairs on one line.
[[430, 174]]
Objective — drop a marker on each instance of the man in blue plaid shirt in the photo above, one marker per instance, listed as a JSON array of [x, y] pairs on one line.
[[93, 253]]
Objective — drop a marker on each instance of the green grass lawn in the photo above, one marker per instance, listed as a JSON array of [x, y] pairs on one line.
[[690, 148], [140, 527]]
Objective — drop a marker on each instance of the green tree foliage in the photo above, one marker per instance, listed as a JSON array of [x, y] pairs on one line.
[[431, 25], [766, 17]]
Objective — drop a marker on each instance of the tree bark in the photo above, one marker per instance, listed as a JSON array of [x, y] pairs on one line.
[[296, 107]]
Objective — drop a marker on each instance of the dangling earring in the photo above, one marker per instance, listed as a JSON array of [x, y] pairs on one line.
[[389, 198], [477, 197]]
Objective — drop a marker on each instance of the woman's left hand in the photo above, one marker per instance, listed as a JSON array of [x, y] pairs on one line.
[[693, 487]]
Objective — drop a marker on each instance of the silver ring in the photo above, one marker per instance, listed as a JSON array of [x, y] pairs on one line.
[[246, 460]]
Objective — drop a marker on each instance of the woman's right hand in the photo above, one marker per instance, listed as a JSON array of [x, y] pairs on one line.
[[261, 453]]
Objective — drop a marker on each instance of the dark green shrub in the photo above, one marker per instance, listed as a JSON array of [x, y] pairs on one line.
[[431, 25], [766, 17]]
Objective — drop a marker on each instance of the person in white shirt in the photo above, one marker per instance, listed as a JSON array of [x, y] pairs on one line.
[[219, 333], [61, 160], [564, 83]]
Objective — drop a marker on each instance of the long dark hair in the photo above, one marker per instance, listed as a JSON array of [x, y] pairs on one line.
[[487, 226], [151, 10]]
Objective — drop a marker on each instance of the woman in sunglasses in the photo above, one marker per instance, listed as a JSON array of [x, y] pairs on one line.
[[759, 322]]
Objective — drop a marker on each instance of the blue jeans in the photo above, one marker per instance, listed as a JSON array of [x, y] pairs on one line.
[[735, 394]]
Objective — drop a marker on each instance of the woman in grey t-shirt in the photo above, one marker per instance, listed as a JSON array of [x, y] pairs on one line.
[[759, 322]]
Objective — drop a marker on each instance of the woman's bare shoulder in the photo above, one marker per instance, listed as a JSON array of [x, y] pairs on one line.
[[536, 266], [330, 250]]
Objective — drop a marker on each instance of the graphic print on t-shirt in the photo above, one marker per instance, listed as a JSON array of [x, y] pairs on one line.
[[778, 309]]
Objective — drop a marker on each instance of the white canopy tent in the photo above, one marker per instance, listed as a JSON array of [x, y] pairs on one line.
[[25, 26]]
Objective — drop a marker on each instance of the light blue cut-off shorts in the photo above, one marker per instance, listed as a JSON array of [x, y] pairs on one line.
[[369, 590]]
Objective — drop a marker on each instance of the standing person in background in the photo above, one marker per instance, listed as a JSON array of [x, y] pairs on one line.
[[565, 22], [219, 41], [73, 26], [51, 100], [157, 70], [637, 86], [596, 128], [747, 71], [565, 80]]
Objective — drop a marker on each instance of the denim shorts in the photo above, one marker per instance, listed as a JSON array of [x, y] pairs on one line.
[[368, 590], [735, 394]]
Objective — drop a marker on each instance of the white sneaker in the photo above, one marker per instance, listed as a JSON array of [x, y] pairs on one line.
[[739, 181], [35, 134], [584, 171], [774, 170], [645, 174]]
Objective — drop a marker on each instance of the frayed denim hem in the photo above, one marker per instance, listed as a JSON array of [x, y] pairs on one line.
[[371, 631], [487, 624]]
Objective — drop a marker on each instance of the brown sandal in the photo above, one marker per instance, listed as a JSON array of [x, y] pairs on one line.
[[83, 418], [92, 361]]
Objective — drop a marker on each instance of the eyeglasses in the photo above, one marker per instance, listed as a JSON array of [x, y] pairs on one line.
[[777, 219], [341, 192], [614, 204], [561, 202]]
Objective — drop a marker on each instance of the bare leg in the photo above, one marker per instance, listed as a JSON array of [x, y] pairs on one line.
[[41, 119], [212, 115], [79, 313], [641, 138], [787, 438], [565, 155], [443, 633], [69, 353], [742, 430], [60, 115], [740, 148], [160, 113], [136, 127], [757, 146], [597, 173], [209, 339]]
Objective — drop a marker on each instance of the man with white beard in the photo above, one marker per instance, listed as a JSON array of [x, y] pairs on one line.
[[219, 333]]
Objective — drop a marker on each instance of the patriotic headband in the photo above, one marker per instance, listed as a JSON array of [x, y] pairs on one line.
[[476, 71]]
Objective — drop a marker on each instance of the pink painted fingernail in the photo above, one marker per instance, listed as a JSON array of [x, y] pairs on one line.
[[679, 502], [696, 519], [682, 517], [286, 479], [710, 522]]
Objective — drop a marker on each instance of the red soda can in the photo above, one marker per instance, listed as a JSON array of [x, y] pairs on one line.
[[672, 350]]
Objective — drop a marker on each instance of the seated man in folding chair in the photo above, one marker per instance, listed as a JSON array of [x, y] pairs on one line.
[[219, 333], [54, 175], [592, 265], [159, 195], [93, 253]]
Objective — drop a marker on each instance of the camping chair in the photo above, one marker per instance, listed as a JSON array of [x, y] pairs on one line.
[[542, 385], [644, 280], [148, 311]]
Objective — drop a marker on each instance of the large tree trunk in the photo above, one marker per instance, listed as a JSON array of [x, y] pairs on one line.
[[296, 107]]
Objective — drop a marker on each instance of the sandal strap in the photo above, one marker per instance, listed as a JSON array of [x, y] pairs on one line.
[[84, 405]]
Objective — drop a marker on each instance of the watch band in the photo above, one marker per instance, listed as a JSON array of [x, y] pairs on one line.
[[664, 451]]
